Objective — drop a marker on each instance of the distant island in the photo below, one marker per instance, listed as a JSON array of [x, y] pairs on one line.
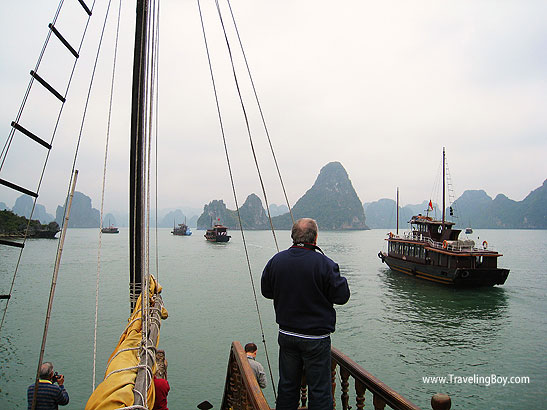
[[332, 201], [15, 226], [474, 208]]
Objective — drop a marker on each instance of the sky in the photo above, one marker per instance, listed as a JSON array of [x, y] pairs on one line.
[[380, 87]]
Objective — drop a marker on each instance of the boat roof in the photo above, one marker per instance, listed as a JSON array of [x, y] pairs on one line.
[[427, 220]]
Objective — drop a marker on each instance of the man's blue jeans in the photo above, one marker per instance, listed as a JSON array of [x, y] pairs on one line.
[[296, 353]]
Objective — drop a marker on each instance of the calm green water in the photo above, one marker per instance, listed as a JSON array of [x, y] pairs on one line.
[[397, 328]]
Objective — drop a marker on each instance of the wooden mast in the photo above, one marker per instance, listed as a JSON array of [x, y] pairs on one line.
[[136, 175], [444, 171], [397, 210]]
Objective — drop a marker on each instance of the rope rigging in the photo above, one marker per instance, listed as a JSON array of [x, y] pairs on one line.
[[6, 148], [103, 189], [250, 136]]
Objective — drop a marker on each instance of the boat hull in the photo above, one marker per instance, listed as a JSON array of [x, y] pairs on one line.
[[218, 238], [465, 277]]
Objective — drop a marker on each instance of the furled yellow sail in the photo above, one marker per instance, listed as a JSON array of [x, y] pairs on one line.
[[116, 390]]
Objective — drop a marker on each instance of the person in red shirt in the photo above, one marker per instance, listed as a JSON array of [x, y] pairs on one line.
[[162, 388], [161, 385]]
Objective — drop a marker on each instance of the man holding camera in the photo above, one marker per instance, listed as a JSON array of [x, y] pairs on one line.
[[49, 396]]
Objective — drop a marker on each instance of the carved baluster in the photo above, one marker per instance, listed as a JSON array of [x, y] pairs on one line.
[[303, 390], [245, 402], [237, 386], [333, 365], [441, 401], [360, 392], [344, 387], [378, 402], [232, 385]]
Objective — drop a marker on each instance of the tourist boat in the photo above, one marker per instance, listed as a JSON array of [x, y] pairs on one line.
[[432, 250], [181, 230], [110, 229], [127, 382], [218, 233]]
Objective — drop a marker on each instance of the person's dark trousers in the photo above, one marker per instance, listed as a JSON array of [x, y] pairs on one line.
[[296, 353]]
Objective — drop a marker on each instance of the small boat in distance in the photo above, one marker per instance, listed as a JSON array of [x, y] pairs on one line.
[[110, 229], [468, 231], [433, 251], [218, 233], [181, 230]]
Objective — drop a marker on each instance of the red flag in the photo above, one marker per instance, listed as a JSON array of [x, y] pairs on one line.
[[430, 205]]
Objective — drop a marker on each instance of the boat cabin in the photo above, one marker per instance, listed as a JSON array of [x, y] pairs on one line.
[[438, 231]]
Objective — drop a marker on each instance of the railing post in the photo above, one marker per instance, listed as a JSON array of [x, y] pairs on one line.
[[441, 401], [344, 387], [360, 392], [378, 402], [333, 377], [303, 390]]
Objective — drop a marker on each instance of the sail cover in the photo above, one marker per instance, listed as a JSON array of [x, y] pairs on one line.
[[116, 390]]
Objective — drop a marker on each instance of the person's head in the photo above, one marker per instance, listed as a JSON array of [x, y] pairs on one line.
[[46, 371], [250, 349], [304, 231]]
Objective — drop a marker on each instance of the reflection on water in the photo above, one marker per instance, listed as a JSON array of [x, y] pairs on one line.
[[442, 315]]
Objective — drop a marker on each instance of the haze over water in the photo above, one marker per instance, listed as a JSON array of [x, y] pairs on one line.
[[397, 328]]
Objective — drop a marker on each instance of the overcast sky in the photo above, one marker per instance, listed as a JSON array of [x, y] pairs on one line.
[[379, 86]]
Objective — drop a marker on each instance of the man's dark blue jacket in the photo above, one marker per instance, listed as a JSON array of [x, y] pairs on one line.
[[304, 284]]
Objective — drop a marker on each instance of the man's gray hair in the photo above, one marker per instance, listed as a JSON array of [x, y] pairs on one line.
[[304, 231], [45, 370]]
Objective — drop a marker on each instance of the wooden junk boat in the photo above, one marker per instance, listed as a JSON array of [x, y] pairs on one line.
[[181, 230], [128, 379], [110, 229], [218, 233], [433, 251]]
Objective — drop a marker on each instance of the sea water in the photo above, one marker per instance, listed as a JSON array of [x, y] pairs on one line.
[[409, 333]]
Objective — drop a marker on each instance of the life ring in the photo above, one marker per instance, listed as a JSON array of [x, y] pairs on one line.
[[445, 245], [465, 274], [485, 244]]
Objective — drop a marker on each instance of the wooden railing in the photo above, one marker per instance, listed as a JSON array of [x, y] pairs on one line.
[[382, 394], [242, 392]]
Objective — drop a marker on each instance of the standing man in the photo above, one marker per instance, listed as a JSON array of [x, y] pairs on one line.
[[258, 369], [49, 396], [304, 285]]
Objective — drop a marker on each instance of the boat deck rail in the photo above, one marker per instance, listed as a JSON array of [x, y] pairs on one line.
[[242, 391], [382, 395], [455, 246]]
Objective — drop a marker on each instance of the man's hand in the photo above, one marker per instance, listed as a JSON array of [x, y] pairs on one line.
[[61, 380]]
